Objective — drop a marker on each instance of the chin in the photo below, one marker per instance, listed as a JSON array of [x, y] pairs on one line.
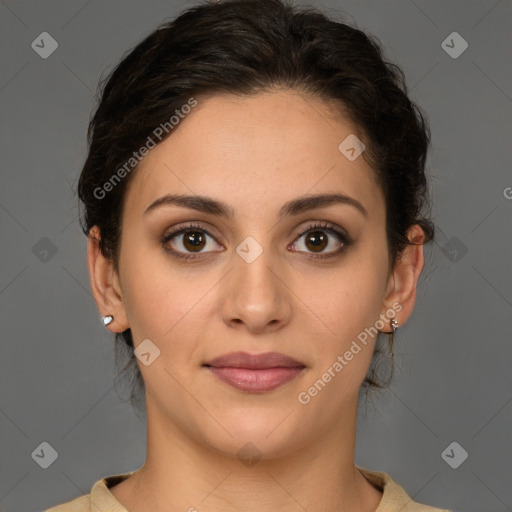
[[257, 436]]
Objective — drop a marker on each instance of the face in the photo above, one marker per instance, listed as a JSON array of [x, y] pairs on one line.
[[303, 282]]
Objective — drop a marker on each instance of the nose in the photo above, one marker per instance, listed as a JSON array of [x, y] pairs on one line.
[[255, 295]]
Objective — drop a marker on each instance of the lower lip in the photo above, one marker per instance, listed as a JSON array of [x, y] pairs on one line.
[[255, 381]]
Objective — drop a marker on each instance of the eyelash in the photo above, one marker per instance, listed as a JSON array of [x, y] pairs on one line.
[[323, 226]]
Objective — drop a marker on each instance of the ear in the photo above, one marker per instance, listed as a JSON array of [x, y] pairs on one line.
[[403, 280], [105, 284]]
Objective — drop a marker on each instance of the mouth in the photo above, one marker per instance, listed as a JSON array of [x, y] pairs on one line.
[[255, 373]]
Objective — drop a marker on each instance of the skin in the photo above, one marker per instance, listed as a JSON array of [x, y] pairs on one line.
[[253, 153]]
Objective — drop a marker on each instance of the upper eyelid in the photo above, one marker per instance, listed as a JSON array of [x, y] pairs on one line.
[[187, 227]]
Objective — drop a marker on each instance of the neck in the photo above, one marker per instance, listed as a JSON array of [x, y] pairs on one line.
[[183, 473]]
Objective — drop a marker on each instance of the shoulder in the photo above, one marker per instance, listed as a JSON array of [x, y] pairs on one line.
[[394, 496], [81, 504], [100, 496]]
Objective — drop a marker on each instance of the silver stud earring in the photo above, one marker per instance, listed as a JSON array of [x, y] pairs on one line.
[[394, 325], [107, 320]]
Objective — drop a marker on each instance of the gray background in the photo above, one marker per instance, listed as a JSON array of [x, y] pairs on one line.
[[57, 362]]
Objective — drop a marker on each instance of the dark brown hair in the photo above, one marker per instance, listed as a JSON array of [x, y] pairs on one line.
[[243, 47]]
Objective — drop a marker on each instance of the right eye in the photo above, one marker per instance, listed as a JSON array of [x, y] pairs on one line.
[[189, 241]]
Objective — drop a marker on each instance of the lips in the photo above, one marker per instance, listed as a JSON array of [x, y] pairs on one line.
[[255, 361], [255, 373]]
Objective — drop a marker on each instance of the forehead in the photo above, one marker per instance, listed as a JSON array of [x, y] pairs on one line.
[[255, 151]]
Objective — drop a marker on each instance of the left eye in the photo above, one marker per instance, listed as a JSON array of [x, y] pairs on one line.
[[320, 239]]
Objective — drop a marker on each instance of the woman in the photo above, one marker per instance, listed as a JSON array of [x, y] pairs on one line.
[[254, 196]]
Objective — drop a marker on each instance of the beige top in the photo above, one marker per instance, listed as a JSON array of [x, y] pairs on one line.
[[394, 498]]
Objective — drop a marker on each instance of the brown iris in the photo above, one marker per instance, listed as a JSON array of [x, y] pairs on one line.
[[193, 240], [316, 241]]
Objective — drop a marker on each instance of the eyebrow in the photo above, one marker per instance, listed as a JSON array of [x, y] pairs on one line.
[[294, 207]]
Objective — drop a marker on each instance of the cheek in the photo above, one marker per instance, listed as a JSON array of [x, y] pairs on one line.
[[159, 298], [349, 297], [169, 310], [345, 302], [348, 305]]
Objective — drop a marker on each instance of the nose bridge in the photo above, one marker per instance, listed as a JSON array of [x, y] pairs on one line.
[[255, 295], [252, 272]]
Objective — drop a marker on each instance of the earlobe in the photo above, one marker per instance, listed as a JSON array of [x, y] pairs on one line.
[[105, 284], [404, 279]]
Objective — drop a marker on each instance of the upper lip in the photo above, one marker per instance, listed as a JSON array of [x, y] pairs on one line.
[[254, 361]]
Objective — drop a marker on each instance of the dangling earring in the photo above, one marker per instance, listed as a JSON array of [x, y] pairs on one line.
[[394, 328], [107, 319]]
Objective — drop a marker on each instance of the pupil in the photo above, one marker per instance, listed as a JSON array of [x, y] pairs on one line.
[[318, 239], [189, 239]]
